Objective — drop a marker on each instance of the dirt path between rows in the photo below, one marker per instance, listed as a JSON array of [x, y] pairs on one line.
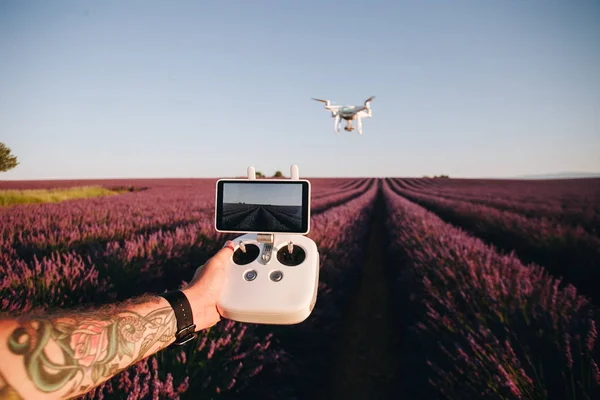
[[365, 364]]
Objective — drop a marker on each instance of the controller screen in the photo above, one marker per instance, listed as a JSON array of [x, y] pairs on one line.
[[263, 207]]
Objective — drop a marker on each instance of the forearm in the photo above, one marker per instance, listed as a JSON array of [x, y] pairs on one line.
[[66, 355]]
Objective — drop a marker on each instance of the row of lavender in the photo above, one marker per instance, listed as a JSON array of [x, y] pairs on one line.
[[572, 202], [150, 258], [482, 324], [45, 250], [36, 230], [568, 252], [563, 193], [91, 242], [142, 184], [71, 233]]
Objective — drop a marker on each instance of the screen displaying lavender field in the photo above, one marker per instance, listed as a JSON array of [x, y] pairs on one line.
[[262, 207]]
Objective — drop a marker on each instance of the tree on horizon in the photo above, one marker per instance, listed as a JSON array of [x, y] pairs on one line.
[[7, 159]]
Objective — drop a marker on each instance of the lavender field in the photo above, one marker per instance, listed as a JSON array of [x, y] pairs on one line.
[[429, 288]]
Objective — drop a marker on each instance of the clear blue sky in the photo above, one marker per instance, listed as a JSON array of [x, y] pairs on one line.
[[103, 89], [261, 193]]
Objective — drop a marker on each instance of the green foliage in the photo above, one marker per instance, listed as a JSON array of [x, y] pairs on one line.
[[436, 177], [7, 160], [12, 197], [278, 174], [259, 174]]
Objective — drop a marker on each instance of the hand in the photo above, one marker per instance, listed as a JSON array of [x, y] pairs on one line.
[[205, 288]]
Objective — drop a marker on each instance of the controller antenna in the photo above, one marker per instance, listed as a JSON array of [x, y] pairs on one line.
[[294, 172], [242, 246], [251, 172]]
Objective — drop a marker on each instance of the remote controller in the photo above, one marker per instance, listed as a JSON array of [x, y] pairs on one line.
[[272, 277], [271, 283]]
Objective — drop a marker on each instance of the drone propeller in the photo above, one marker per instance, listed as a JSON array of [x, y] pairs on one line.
[[367, 101], [327, 102]]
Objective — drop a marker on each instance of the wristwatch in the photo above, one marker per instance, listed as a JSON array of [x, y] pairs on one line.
[[186, 329]]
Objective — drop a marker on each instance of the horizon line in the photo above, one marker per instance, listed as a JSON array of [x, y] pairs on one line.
[[549, 176]]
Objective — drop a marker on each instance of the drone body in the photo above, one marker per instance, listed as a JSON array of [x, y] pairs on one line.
[[348, 113]]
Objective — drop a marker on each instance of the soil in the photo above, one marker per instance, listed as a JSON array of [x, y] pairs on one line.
[[366, 357]]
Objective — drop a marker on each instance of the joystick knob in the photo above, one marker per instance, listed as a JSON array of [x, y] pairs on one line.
[[291, 255], [245, 254]]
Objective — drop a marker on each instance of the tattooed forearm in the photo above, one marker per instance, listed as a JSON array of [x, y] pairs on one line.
[[80, 351], [7, 392]]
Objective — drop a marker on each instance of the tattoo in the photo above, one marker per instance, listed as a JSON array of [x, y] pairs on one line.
[[7, 392], [91, 346]]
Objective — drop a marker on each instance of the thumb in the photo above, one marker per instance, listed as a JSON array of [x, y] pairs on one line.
[[216, 263], [220, 259]]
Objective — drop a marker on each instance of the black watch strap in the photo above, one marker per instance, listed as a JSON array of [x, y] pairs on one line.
[[186, 330]]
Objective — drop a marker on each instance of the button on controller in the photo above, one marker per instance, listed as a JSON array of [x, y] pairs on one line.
[[250, 275], [276, 276]]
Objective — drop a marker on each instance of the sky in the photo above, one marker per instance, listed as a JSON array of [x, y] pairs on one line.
[[262, 193], [137, 89]]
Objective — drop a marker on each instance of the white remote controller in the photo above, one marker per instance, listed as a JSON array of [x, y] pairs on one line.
[[272, 277], [268, 284]]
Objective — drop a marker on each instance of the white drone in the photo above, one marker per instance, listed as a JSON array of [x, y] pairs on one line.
[[349, 113]]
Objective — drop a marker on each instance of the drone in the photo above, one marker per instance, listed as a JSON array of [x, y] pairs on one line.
[[349, 113]]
